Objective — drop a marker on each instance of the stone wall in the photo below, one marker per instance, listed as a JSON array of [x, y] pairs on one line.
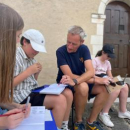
[[53, 18]]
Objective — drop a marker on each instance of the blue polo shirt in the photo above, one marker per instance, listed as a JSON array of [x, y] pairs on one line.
[[74, 60]]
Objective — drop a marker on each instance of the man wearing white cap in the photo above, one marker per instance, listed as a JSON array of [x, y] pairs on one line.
[[25, 78]]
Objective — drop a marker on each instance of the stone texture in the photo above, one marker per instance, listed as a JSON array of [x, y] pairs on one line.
[[120, 124]]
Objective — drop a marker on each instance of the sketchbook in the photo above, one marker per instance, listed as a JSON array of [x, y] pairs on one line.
[[117, 85], [36, 120], [53, 89]]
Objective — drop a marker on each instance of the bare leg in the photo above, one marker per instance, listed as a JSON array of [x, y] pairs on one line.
[[69, 98], [80, 100], [110, 101], [101, 98], [123, 98], [58, 106]]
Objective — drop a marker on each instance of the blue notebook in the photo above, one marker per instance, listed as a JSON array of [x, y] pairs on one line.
[[37, 90], [50, 125]]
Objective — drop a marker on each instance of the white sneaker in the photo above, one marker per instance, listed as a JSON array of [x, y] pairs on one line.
[[105, 118], [124, 115]]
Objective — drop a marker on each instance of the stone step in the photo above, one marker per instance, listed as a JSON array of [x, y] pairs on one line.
[[120, 124]]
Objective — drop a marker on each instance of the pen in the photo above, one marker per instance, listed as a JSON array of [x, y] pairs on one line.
[[59, 84], [9, 114], [28, 100]]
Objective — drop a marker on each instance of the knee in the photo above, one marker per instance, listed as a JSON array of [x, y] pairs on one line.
[[116, 93], [125, 89], [82, 89], [61, 101], [68, 94]]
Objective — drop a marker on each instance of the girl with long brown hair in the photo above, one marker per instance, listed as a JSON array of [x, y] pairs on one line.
[[11, 25]]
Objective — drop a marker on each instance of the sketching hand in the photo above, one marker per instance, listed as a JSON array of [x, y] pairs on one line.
[[25, 111], [67, 80], [105, 81], [35, 68], [14, 120]]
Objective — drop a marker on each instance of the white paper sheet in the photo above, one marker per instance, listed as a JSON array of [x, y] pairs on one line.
[[53, 89], [36, 120], [48, 116]]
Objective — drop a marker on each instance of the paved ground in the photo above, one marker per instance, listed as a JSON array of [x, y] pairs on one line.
[[120, 124]]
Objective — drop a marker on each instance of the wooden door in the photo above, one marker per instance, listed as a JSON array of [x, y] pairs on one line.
[[117, 32]]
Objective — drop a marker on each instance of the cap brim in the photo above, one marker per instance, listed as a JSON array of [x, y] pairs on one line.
[[37, 47], [112, 55]]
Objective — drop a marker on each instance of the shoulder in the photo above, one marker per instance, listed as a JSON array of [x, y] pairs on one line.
[[108, 62], [95, 60], [61, 48], [19, 55], [84, 47]]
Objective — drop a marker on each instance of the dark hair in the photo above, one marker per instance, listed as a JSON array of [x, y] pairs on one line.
[[99, 53], [21, 40]]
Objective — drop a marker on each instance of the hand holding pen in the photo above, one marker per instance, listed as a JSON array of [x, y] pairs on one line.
[[12, 118], [25, 109]]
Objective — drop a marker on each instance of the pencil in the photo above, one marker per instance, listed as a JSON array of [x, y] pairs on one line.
[[9, 114]]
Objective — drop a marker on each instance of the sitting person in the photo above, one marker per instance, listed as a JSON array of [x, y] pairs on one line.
[[74, 62], [25, 79], [11, 25], [102, 68]]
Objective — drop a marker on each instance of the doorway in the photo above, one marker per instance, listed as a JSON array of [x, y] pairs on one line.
[[117, 32]]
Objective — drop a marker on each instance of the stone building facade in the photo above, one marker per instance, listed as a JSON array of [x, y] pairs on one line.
[[54, 17]]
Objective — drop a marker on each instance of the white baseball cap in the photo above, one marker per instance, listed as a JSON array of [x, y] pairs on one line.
[[37, 40]]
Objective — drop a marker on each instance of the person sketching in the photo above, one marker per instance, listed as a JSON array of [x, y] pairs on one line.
[[102, 68], [26, 73], [11, 25]]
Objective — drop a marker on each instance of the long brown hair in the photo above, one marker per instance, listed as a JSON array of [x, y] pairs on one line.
[[10, 23]]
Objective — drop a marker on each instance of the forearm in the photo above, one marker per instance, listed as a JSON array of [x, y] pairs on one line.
[[91, 80], [21, 77], [95, 79], [9, 106], [86, 77]]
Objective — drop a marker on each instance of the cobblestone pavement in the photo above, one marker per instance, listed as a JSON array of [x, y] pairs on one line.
[[120, 124]]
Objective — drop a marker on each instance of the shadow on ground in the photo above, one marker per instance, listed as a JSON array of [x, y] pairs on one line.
[[120, 124]]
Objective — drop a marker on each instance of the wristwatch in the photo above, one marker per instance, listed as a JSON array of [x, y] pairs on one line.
[[75, 81]]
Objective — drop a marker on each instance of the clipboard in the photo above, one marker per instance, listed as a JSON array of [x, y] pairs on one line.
[[110, 88]]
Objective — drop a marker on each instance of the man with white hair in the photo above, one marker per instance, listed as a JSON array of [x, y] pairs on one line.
[[76, 69]]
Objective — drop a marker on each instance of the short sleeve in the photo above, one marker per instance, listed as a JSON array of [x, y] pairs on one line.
[[94, 63], [109, 65], [16, 68], [61, 60], [86, 53]]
